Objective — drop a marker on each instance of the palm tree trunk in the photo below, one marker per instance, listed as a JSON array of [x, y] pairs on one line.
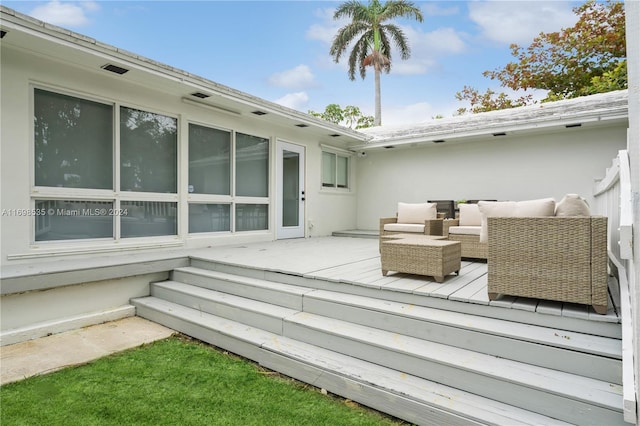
[[377, 119]]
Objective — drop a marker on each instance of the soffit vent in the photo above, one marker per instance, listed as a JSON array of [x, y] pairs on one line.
[[200, 95], [500, 134], [439, 141], [569, 126], [335, 135], [114, 68], [302, 125], [257, 112]]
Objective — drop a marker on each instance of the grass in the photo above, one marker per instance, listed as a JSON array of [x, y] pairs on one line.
[[174, 381]]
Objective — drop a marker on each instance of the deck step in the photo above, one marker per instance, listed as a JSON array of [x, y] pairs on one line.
[[592, 356], [569, 376], [560, 395], [409, 397]]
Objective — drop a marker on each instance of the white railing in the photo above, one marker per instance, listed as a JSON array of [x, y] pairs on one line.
[[614, 199]]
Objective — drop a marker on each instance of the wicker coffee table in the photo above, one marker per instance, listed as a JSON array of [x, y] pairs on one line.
[[421, 255]]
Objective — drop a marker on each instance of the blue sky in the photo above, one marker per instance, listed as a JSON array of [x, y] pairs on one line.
[[279, 50]]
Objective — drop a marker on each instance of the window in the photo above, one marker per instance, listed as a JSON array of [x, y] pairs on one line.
[[215, 198], [148, 152], [77, 175], [252, 166], [73, 142], [209, 217], [209, 160], [335, 170]]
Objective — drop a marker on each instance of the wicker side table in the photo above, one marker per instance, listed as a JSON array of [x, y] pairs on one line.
[[421, 256]]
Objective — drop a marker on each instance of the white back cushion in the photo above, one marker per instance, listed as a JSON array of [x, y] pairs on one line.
[[470, 215], [416, 213], [528, 208]]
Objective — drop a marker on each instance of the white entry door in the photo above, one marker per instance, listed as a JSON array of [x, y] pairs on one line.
[[290, 197]]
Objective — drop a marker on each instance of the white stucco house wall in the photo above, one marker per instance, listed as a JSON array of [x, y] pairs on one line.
[[151, 184]]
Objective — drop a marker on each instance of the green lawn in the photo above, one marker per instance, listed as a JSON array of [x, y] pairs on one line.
[[177, 381]]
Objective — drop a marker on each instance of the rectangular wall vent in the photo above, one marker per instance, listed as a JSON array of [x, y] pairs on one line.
[[114, 68]]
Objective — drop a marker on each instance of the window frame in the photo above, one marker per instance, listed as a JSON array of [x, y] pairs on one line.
[[336, 153], [113, 195]]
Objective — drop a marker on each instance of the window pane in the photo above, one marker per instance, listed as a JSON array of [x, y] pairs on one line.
[[252, 166], [209, 160], [73, 142], [73, 220], [148, 218], [328, 169], [343, 172], [290, 188], [251, 217], [209, 217], [148, 152]]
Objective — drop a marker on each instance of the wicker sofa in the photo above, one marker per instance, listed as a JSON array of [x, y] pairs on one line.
[[559, 258]]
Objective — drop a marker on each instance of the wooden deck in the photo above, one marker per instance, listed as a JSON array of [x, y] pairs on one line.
[[355, 262]]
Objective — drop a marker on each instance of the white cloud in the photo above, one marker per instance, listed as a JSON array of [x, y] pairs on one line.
[[520, 21], [65, 14], [297, 101], [327, 28], [434, 9], [426, 49], [299, 77]]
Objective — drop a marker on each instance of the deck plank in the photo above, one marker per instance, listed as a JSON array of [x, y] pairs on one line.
[[468, 293], [356, 261]]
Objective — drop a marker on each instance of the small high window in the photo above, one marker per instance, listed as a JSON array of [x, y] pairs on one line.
[[335, 170]]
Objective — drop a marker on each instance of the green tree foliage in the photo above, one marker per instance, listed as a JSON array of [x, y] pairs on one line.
[[588, 58], [350, 116], [371, 38]]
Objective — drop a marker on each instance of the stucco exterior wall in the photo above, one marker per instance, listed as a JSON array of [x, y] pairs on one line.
[[327, 211], [511, 167]]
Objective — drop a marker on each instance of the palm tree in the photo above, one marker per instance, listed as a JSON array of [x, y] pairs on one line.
[[372, 38]]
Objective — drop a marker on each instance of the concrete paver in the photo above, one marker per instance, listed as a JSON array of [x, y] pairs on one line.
[[58, 351]]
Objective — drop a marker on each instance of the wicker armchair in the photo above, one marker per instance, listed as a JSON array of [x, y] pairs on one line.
[[551, 258], [471, 245], [431, 227]]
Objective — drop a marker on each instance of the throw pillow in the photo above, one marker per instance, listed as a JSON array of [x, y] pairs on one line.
[[572, 205], [416, 213]]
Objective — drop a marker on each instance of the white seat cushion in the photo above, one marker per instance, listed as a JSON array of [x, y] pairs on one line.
[[465, 230], [404, 227], [416, 213]]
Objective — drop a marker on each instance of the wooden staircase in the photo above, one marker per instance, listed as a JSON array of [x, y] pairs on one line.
[[421, 364]]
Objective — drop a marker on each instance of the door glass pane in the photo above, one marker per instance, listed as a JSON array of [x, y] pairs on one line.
[[73, 142], [148, 218], [148, 152], [290, 188], [252, 166], [251, 217], [209, 217], [73, 220], [209, 160]]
